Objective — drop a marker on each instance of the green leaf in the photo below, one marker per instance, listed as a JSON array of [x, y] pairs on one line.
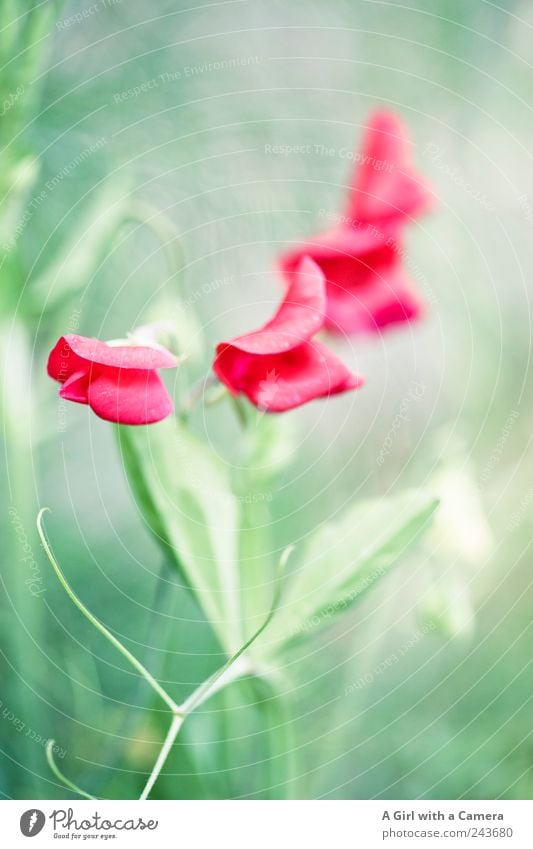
[[268, 445], [183, 489], [345, 559], [87, 245]]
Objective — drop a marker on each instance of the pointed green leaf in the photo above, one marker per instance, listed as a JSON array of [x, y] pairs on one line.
[[344, 559], [184, 491]]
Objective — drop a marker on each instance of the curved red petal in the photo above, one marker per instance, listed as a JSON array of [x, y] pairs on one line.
[[299, 317], [385, 183], [92, 350], [63, 362], [129, 396], [368, 242], [76, 388], [365, 286], [381, 298], [280, 382]]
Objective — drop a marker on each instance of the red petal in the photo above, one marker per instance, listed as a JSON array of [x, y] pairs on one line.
[[279, 382], [71, 351], [365, 241], [368, 300], [63, 362], [76, 388], [278, 367], [299, 317], [365, 286], [129, 396], [385, 183]]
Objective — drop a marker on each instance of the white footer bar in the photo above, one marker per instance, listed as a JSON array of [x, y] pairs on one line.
[[268, 825]]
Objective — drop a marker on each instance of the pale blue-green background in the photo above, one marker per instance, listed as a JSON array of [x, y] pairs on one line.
[[453, 716]]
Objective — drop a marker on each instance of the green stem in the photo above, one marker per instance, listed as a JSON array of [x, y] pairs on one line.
[[280, 755], [160, 605], [58, 774], [197, 391], [229, 672], [177, 722], [98, 625], [205, 690], [239, 410]]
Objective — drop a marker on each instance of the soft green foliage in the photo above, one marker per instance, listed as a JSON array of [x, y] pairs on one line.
[[269, 444], [450, 717], [345, 559], [235, 667], [96, 227], [185, 497], [184, 492]]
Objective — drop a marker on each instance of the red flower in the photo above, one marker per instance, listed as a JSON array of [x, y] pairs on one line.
[[118, 382], [280, 366], [367, 288], [386, 188]]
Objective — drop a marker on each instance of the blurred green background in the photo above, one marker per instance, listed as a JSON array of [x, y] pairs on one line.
[[220, 84]]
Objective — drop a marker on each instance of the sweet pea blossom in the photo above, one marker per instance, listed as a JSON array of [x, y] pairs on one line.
[[366, 285], [386, 189], [120, 383], [281, 366]]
